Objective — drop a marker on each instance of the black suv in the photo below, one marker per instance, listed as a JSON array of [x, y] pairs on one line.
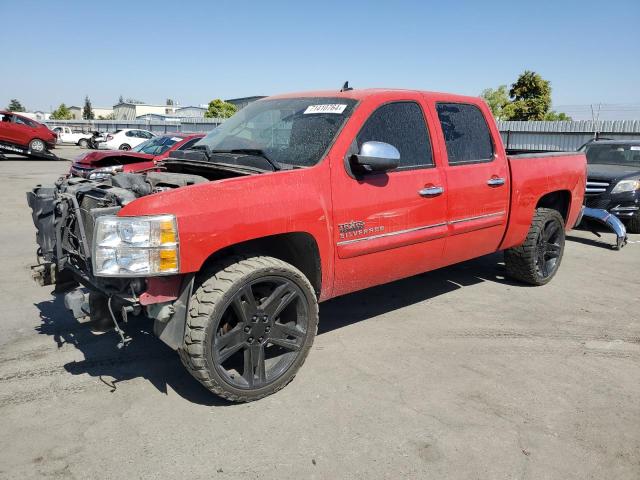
[[613, 179]]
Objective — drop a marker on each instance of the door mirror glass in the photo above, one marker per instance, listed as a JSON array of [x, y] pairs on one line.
[[376, 157]]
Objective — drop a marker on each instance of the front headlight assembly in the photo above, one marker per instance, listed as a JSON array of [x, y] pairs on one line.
[[104, 172], [626, 186], [135, 246]]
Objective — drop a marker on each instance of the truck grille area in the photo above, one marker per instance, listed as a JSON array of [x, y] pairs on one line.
[[595, 187], [76, 226]]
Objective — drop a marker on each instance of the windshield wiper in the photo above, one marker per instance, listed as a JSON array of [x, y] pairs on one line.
[[253, 151]]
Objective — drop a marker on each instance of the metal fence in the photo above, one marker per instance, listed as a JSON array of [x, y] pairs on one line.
[[563, 136]]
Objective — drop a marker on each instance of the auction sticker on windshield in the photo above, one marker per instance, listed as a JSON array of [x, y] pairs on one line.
[[328, 108]]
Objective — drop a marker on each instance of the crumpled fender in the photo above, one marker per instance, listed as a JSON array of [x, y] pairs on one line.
[[608, 219]]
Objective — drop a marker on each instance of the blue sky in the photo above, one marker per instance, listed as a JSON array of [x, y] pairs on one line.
[[55, 52]]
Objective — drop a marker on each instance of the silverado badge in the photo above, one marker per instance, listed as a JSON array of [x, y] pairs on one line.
[[356, 228]]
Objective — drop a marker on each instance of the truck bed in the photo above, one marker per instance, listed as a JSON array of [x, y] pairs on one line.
[[533, 176]]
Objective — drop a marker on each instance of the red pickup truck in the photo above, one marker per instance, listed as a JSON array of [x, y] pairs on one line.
[[296, 199]]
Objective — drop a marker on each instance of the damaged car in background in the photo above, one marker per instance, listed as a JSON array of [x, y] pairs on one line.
[[230, 245], [98, 165]]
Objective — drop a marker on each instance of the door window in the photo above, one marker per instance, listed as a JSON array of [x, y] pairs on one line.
[[402, 125], [23, 121], [466, 133]]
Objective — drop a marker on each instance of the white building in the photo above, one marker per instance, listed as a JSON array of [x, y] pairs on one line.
[[97, 112], [38, 115], [101, 112], [76, 112], [131, 111], [190, 112]]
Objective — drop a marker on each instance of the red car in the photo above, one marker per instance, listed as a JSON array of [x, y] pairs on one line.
[[97, 165], [294, 200], [19, 134]]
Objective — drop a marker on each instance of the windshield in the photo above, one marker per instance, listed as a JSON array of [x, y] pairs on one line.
[[290, 131], [611, 154], [157, 145]]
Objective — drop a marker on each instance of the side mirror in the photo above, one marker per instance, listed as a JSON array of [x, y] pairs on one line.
[[376, 157]]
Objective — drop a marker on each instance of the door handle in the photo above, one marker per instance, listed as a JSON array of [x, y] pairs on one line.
[[495, 182], [431, 191]]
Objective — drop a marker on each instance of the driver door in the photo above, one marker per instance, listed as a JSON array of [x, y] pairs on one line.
[[389, 225]]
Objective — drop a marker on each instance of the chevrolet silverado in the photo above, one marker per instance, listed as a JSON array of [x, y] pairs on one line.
[[230, 245]]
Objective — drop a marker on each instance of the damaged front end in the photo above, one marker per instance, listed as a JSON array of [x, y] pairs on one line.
[[74, 223]]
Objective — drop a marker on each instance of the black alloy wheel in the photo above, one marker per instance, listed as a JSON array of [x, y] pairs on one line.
[[251, 324], [538, 258], [261, 333], [548, 248]]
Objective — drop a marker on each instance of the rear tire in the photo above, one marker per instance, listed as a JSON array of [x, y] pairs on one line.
[[124, 147], [633, 225], [83, 143], [250, 327], [36, 145], [536, 261]]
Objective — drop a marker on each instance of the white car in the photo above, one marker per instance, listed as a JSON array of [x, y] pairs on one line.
[[66, 135], [125, 139]]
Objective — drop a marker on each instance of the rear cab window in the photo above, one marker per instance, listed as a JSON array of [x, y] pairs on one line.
[[466, 133], [402, 125]]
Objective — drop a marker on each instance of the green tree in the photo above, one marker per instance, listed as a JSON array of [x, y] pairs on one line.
[[120, 99], [531, 97], [15, 106], [61, 113], [170, 102], [498, 101], [220, 109], [111, 116], [87, 111], [557, 117]]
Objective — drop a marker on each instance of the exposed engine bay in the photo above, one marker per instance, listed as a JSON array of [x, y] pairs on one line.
[[64, 214]]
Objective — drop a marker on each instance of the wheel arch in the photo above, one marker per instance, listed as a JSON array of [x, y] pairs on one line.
[[559, 200], [299, 249]]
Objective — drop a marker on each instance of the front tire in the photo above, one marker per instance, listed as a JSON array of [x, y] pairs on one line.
[[536, 261], [250, 326], [36, 145]]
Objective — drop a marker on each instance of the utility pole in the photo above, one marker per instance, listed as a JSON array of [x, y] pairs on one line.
[[595, 119]]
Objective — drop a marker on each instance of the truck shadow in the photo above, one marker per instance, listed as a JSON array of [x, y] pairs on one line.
[[144, 357], [147, 357], [356, 307]]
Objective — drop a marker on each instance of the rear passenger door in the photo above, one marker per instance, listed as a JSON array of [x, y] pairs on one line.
[[477, 179], [389, 225], [24, 130]]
